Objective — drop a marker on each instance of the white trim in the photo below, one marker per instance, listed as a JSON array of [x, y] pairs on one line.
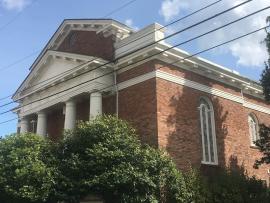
[[194, 85], [213, 131], [256, 107], [253, 133], [196, 65], [198, 86], [136, 80]]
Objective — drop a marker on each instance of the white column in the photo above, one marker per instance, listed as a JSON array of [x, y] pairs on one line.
[[24, 124], [42, 123], [70, 115], [95, 105]]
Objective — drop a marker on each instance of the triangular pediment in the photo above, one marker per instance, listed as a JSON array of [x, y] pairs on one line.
[[55, 67]]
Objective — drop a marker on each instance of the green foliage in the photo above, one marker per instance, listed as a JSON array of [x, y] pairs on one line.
[[26, 169], [264, 146], [197, 187], [226, 186], [264, 142], [232, 185], [265, 76], [105, 157]]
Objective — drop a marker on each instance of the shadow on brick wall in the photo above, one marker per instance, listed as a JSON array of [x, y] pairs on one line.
[[184, 141]]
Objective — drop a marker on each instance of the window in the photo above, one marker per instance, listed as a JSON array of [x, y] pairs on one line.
[[209, 146], [253, 128]]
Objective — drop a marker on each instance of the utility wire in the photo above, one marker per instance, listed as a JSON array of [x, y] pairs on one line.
[[16, 16], [185, 58], [118, 9], [152, 43], [173, 22], [194, 38], [19, 60], [213, 30], [32, 54], [189, 15], [7, 121]]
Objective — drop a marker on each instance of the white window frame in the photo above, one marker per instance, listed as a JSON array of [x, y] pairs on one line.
[[213, 132], [253, 132]]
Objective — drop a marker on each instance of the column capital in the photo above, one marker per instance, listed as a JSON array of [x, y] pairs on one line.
[[41, 113], [95, 94], [70, 102]]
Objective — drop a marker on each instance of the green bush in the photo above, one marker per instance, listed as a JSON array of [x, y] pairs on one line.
[[226, 186], [234, 185], [27, 169], [105, 157]]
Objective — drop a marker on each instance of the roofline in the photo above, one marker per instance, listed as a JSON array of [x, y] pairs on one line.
[[63, 22]]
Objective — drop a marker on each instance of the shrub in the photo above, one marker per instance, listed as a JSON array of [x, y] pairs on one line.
[[26, 169], [105, 157], [234, 185]]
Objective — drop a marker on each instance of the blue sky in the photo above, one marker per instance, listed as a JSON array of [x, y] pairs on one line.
[[27, 25]]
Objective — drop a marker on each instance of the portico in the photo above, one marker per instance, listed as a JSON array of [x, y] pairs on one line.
[[38, 101], [68, 110]]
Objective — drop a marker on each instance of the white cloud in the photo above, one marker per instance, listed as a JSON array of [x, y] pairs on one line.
[[171, 8], [14, 4], [248, 51], [129, 22]]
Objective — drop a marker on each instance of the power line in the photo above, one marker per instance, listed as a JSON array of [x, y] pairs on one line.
[[193, 13], [16, 16], [194, 38], [152, 43], [185, 58], [24, 58], [175, 21], [146, 58], [19, 60], [8, 121], [118, 9]]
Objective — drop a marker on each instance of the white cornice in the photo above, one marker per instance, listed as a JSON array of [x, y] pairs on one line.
[[194, 85], [81, 59], [198, 66], [161, 75], [82, 24]]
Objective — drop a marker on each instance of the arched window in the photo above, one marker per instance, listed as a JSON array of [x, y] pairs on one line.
[[253, 128], [208, 133]]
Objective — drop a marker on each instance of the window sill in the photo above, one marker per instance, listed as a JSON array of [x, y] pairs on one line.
[[209, 163], [254, 147]]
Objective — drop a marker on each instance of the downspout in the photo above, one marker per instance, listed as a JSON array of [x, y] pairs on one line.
[[242, 95], [116, 91]]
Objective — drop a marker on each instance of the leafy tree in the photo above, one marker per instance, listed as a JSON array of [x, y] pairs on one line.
[[264, 142], [264, 146], [104, 157], [26, 169], [265, 77]]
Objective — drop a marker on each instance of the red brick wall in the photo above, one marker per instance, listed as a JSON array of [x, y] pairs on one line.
[[82, 110], [137, 104], [55, 124], [109, 105], [88, 43], [159, 65], [179, 127], [137, 71]]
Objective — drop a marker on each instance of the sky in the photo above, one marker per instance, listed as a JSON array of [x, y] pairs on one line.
[[27, 25]]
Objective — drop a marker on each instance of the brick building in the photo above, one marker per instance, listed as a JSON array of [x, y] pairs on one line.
[[203, 114]]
